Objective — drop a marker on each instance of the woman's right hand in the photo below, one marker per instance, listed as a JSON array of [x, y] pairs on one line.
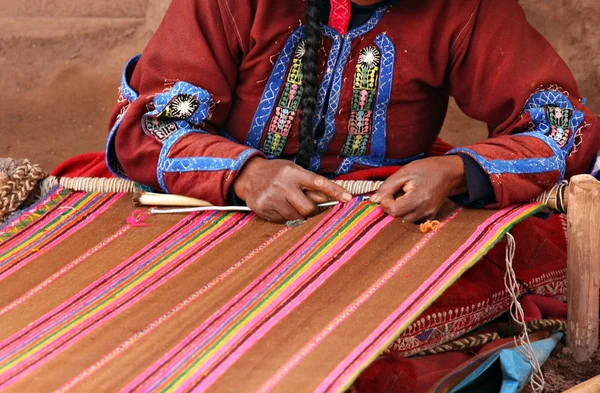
[[280, 191]]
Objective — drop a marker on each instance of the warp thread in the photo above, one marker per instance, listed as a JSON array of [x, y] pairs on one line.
[[522, 341]]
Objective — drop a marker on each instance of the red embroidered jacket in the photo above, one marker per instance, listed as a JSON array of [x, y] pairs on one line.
[[220, 83]]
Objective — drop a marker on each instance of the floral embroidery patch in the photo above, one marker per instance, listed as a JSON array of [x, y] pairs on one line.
[[559, 120], [363, 102], [287, 108], [164, 124]]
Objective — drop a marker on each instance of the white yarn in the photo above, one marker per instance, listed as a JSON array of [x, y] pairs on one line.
[[537, 381]]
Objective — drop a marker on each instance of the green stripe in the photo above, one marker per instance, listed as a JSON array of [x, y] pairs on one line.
[[128, 284], [61, 217], [289, 277], [33, 215]]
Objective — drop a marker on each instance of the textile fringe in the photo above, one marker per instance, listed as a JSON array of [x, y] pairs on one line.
[[19, 186], [479, 340]]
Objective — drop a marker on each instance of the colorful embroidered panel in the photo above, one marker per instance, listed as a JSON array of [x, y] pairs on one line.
[[163, 125], [287, 109], [363, 102], [136, 302], [560, 123]]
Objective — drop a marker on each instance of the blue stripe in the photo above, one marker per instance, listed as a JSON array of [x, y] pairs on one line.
[[522, 166], [131, 95], [192, 164], [548, 97], [347, 163], [126, 89], [384, 94], [271, 92]]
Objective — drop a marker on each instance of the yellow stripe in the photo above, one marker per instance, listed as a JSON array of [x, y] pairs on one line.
[[206, 356], [80, 319]]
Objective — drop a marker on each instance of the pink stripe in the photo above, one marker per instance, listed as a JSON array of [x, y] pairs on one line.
[[219, 314], [354, 361], [135, 294], [67, 268], [69, 201], [307, 292], [109, 277], [27, 214], [315, 341], [138, 336], [48, 246]]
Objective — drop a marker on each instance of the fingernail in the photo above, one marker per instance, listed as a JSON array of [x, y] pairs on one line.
[[346, 197], [375, 198]]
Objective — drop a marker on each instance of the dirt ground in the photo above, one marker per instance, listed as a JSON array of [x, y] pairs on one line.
[[59, 76]]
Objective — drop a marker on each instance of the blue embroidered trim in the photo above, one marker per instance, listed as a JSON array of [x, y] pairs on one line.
[[346, 165], [126, 89], [548, 97], [522, 166], [336, 87], [191, 164], [131, 95], [160, 101], [328, 76], [110, 154], [384, 93], [271, 92]]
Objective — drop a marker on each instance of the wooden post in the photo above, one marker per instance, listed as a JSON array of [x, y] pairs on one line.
[[591, 386], [583, 268]]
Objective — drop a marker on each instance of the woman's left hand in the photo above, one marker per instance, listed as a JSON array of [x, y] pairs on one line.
[[418, 190]]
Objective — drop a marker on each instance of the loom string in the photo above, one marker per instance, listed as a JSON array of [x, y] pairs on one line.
[[522, 341]]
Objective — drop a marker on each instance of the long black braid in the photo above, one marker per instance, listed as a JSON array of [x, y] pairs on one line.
[[308, 105]]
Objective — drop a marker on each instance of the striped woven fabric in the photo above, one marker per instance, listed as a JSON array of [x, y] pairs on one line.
[[97, 297]]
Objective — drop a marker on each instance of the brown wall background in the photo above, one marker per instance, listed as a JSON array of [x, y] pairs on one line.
[[60, 62]]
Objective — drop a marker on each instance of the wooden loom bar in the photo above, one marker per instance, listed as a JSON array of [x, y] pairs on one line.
[[583, 267]]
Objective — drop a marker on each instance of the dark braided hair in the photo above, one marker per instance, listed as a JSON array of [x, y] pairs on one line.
[[308, 105]]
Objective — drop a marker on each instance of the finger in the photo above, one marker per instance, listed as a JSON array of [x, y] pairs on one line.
[[271, 216], [391, 187], [288, 212], [311, 181], [413, 216], [401, 206], [302, 204], [317, 197], [421, 215]]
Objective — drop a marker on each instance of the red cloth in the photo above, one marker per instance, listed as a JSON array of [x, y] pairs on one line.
[[339, 17], [393, 373], [84, 165]]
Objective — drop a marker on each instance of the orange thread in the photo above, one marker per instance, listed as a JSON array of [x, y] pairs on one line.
[[429, 226]]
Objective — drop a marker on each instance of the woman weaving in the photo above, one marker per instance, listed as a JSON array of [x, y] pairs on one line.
[[263, 101], [237, 102]]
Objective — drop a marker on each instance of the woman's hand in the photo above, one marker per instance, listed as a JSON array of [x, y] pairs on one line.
[[418, 190], [279, 190]]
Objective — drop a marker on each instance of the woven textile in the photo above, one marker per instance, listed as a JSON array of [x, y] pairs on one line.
[[95, 299]]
